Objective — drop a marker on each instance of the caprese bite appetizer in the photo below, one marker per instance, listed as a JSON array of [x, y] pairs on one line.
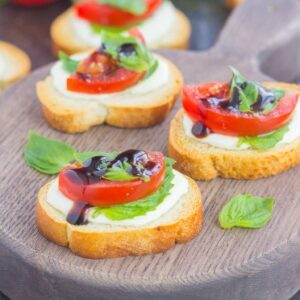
[[14, 64], [80, 27], [243, 129], [105, 205], [122, 84]]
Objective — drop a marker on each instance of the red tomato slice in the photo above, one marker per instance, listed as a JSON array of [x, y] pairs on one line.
[[100, 74], [107, 15], [107, 193], [137, 34], [230, 122]]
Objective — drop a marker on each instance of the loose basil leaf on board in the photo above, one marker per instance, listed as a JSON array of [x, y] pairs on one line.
[[264, 142], [246, 211], [129, 51], [46, 155], [141, 207], [135, 7], [83, 156], [69, 65]]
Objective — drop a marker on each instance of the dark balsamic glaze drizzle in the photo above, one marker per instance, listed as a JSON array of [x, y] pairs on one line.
[[199, 130], [127, 50], [93, 170], [265, 97], [77, 215], [84, 76], [234, 102]]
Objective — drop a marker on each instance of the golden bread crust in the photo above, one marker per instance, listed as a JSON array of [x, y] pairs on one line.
[[88, 242], [72, 115], [64, 39], [233, 3], [19, 63], [203, 162]]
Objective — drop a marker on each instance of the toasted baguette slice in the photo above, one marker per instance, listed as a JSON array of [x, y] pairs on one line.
[[130, 111], [233, 3], [64, 38], [204, 162], [179, 225], [17, 64]]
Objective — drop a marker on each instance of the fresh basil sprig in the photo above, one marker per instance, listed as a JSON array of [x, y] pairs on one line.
[[128, 51], [141, 207], [249, 92], [136, 7], [121, 173], [264, 142], [248, 96], [50, 156], [246, 211], [69, 65], [272, 105]]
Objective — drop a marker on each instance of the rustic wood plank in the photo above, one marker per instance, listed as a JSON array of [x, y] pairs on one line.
[[236, 264], [3, 297]]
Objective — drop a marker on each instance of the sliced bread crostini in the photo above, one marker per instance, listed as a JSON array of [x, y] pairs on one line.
[[177, 226], [14, 64], [233, 3], [105, 205], [202, 161], [66, 30], [145, 103]]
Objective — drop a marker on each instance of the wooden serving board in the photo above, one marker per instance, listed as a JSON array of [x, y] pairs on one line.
[[261, 35]]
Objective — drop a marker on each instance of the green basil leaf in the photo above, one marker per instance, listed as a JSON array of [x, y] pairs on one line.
[[69, 65], [119, 173], [140, 207], [139, 61], [250, 95], [278, 93], [249, 92], [46, 155], [246, 211], [136, 7], [237, 78], [99, 28], [83, 156], [264, 142], [271, 106], [152, 69]]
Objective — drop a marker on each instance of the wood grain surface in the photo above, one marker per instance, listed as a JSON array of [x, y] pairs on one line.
[[235, 264]]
